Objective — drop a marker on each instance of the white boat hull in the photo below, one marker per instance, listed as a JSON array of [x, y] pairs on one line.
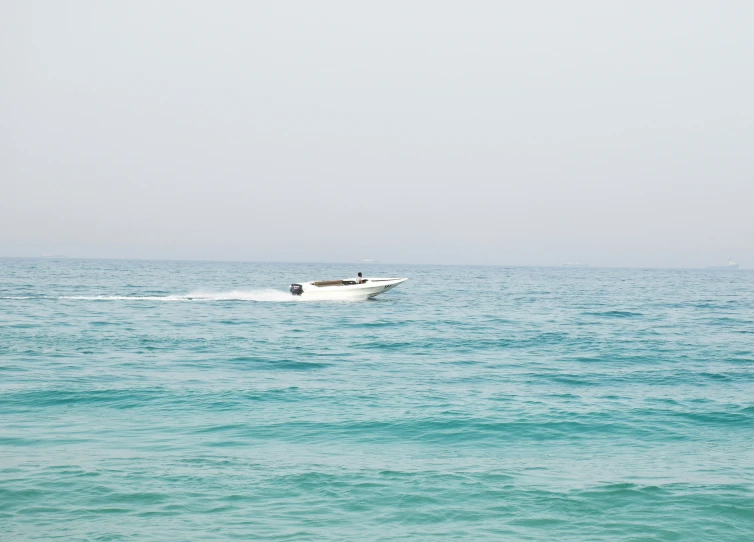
[[344, 291]]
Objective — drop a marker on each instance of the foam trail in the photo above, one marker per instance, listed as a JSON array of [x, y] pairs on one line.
[[234, 295], [268, 295]]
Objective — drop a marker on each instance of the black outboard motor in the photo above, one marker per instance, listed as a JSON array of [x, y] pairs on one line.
[[297, 289]]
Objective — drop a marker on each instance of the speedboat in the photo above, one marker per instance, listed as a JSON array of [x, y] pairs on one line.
[[345, 289]]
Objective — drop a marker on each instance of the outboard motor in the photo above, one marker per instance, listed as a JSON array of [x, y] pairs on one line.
[[297, 289]]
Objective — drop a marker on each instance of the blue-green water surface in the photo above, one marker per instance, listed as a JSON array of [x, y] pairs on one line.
[[200, 401]]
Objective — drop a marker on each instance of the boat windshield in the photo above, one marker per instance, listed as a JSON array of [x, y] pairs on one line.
[[334, 283]]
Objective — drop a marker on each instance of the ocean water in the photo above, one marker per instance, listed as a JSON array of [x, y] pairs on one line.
[[200, 401]]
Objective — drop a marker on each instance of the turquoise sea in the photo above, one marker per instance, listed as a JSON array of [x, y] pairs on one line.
[[199, 401]]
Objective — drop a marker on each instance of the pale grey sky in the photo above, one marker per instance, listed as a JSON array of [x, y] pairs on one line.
[[606, 132]]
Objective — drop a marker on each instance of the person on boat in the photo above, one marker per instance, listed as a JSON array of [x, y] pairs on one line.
[[362, 280]]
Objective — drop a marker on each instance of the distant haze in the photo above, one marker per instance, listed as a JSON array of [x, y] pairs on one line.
[[609, 133]]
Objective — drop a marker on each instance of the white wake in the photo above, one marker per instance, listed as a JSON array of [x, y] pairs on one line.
[[234, 295]]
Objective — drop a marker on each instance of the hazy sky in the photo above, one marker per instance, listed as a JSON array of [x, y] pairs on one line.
[[604, 132]]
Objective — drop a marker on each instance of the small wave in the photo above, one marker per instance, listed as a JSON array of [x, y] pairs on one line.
[[615, 314]]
